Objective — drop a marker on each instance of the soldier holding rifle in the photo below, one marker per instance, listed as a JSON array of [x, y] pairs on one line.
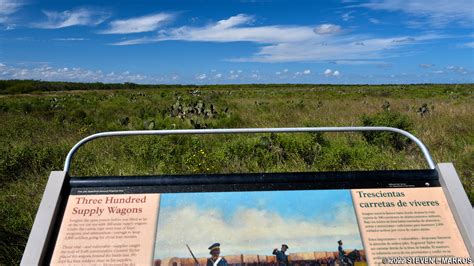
[[215, 259]]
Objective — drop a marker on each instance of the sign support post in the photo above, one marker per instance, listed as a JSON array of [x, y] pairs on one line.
[[461, 207]]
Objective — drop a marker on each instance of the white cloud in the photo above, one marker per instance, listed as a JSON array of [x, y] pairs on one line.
[[425, 65], [327, 29], [457, 69], [218, 76], [307, 72], [469, 44], [374, 21], [234, 21], [143, 40], [250, 231], [436, 12], [42, 71], [70, 39], [281, 43], [49, 73], [77, 17], [201, 76], [344, 48], [347, 16], [330, 73], [360, 62], [233, 29], [138, 24], [283, 73], [8, 8]]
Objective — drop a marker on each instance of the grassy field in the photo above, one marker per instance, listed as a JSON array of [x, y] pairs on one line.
[[38, 128]]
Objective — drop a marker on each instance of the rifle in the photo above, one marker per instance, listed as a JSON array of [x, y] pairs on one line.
[[192, 254]]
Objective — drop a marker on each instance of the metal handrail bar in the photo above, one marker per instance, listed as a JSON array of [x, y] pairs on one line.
[[424, 150]]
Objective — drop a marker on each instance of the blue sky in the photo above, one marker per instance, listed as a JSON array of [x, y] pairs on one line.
[[255, 222], [247, 41]]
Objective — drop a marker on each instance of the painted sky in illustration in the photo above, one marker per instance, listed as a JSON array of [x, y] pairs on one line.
[[255, 222]]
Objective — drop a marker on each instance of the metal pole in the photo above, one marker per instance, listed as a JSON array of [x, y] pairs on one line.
[[424, 150]]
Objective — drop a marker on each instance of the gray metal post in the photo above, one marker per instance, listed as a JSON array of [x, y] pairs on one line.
[[40, 233], [459, 203]]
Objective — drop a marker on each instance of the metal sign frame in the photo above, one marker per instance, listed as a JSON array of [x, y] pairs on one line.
[[424, 150], [49, 215]]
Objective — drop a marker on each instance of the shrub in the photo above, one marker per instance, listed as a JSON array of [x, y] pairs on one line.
[[387, 119]]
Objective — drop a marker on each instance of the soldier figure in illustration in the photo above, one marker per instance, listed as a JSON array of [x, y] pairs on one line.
[[281, 257], [215, 259], [342, 256], [341, 252]]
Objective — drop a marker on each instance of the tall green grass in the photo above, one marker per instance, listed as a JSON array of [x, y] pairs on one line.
[[37, 130]]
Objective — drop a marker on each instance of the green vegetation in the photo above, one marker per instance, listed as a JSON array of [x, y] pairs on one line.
[[387, 119], [41, 121]]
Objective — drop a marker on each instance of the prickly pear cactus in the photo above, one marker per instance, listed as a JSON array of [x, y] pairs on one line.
[[196, 111]]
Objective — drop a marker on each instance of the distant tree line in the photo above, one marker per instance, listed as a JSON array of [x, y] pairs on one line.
[[16, 86], [32, 86]]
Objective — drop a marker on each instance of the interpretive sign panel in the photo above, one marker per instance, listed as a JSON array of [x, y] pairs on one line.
[[358, 226], [107, 229], [408, 223]]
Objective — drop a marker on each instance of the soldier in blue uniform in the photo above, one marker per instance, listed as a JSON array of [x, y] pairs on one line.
[[341, 253], [215, 259], [281, 257]]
